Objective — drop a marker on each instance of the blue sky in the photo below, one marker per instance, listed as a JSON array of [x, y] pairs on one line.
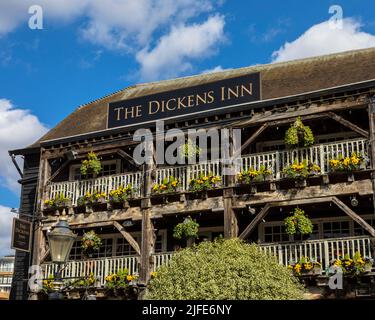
[[90, 48]]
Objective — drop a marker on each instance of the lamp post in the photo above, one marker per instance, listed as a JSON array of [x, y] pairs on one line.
[[60, 241]]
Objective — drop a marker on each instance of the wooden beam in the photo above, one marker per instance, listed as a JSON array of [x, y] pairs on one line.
[[354, 216], [66, 162], [128, 237], [270, 116], [255, 221], [261, 215], [44, 256], [348, 124], [263, 127], [371, 117], [270, 205], [127, 157]]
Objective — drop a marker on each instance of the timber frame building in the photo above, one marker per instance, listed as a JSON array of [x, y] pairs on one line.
[[332, 94]]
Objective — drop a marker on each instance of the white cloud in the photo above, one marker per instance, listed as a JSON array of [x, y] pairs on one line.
[[323, 39], [172, 54], [18, 128], [214, 69], [125, 25], [5, 230]]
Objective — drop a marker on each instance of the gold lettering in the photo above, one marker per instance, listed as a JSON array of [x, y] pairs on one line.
[[249, 91], [118, 112], [127, 112], [211, 96], [230, 92], [200, 99], [150, 110], [168, 102], [222, 94], [179, 102], [191, 101], [138, 111]]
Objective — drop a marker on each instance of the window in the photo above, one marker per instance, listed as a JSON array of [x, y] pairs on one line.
[[275, 234], [123, 248], [359, 231], [313, 236], [109, 167], [160, 242], [336, 229]]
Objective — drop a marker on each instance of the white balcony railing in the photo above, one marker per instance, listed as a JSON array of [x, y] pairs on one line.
[[276, 160], [323, 251], [104, 267], [319, 154], [99, 267], [76, 189]]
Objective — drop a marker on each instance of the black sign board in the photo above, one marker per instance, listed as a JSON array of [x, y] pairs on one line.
[[21, 235], [187, 101]]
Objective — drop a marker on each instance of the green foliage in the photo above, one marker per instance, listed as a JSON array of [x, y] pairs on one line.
[[301, 170], [186, 229], [299, 135], [189, 150], [91, 165], [204, 182], [250, 175], [121, 194], [298, 222], [223, 270], [91, 241], [353, 266], [60, 201], [168, 185], [119, 280], [84, 282]]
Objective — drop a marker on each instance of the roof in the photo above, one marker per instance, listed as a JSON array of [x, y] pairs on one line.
[[278, 80]]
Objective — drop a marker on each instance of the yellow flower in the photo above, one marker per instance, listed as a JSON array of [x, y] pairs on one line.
[[205, 178], [346, 161], [129, 278]]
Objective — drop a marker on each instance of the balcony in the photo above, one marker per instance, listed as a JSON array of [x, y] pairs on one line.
[[322, 250], [319, 154], [103, 267]]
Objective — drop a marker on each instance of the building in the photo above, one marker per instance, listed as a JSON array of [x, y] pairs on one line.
[[6, 272], [333, 95]]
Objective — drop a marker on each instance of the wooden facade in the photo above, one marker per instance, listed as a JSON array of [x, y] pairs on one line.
[[342, 119]]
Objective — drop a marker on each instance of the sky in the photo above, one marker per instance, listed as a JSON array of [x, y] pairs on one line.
[[57, 55]]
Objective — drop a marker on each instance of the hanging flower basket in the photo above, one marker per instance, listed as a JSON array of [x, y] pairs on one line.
[[298, 223], [91, 243], [299, 135], [91, 165]]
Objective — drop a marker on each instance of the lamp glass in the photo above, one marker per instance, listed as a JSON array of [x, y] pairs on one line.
[[61, 240]]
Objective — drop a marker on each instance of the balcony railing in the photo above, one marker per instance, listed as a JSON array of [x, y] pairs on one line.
[[104, 267], [323, 251], [275, 161], [76, 189]]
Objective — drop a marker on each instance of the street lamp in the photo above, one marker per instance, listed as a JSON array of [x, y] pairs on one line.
[[60, 241]]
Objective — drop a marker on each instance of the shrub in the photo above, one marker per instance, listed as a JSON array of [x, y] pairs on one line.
[[223, 269]]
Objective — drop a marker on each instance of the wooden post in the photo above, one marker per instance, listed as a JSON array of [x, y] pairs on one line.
[[230, 218], [148, 237], [39, 241], [371, 115]]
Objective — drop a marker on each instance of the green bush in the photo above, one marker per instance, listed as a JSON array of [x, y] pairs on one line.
[[223, 269]]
